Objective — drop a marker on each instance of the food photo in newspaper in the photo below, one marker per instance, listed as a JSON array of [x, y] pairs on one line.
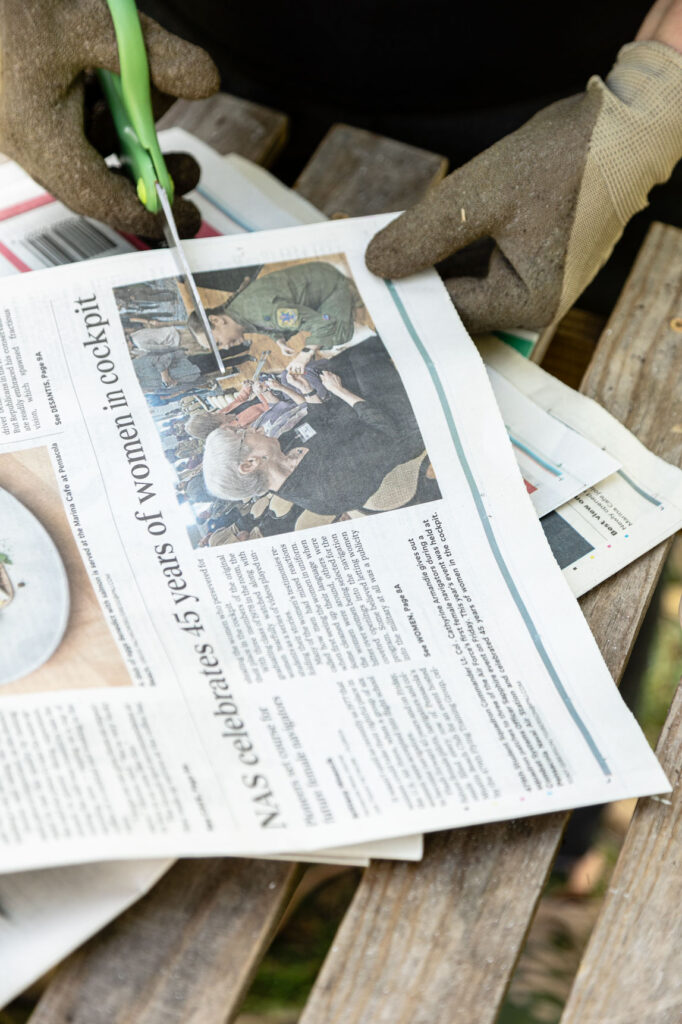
[[338, 615]]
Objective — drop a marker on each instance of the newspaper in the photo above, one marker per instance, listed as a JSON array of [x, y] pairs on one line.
[[620, 517], [45, 915], [556, 462], [368, 638], [234, 195]]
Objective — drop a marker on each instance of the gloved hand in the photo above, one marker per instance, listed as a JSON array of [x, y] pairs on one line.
[[554, 195], [46, 48]]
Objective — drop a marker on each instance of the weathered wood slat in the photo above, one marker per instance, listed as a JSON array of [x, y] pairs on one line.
[[632, 969], [435, 943], [231, 125], [635, 371], [185, 954], [354, 172]]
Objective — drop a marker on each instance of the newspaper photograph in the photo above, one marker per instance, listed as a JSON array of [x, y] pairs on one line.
[[310, 425], [619, 517], [410, 662]]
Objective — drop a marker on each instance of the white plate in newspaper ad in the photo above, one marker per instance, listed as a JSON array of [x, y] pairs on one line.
[[33, 623]]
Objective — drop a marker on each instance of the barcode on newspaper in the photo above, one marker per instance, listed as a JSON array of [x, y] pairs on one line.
[[69, 241]]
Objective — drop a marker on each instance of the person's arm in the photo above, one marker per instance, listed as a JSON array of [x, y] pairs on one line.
[[301, 360], [663, 24], [295, 396], [555, 195], [47, 50], [241, 396], [162, 363], [271, 397], [374, 419], [320, 330], [263, 392], [299, 383], [288, 347], [161, 360], [334, 386]]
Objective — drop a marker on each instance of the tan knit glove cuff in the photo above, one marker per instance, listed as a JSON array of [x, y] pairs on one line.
[[635, 144], [554, 196], [638, 138]]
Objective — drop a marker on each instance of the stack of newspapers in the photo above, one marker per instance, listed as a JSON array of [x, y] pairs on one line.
[[309, 605]]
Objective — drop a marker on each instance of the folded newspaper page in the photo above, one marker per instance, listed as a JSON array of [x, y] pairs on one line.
[[45, 915], [234, 195], [557, 463], [620, 517], [300, 604]]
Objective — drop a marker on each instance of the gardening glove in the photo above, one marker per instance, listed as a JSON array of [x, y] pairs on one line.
[[554, 196], [47, 48]]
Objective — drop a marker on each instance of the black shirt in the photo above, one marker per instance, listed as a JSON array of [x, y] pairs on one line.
[[381, 61], [344, 467], [354, 447], [450, 77]]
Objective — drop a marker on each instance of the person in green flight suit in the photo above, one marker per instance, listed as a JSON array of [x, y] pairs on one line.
[[311, 301]]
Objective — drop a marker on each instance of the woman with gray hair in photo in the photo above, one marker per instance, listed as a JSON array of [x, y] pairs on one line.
[[351, 443], [243, 464]]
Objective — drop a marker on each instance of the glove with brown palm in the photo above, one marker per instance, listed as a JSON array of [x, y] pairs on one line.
[[47, 50], [554, 196]]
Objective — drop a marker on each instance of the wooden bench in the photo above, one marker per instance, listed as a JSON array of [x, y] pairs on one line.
[[434, 942]]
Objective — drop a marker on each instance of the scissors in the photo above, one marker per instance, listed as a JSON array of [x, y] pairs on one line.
[[130, 101]]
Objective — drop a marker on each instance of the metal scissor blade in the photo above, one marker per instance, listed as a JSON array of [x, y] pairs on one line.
[[173, 242], [261, 363]]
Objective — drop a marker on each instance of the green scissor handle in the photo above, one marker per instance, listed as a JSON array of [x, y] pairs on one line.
[[130, 101]]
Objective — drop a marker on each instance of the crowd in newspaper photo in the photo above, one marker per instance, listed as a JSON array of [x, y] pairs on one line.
[[309, 424]]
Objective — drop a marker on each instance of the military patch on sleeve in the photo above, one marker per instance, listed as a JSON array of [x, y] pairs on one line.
[[288, 318]]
